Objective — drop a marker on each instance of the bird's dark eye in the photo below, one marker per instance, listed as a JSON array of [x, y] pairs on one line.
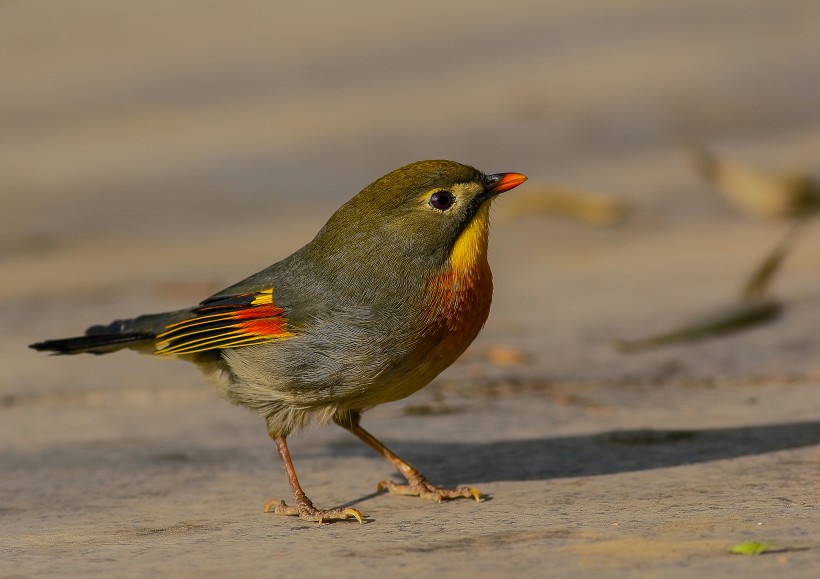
[[442, 200]]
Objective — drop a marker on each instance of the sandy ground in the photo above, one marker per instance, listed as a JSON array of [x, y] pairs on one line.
[[152, 153]]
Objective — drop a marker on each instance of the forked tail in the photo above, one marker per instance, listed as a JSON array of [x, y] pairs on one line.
[[135, 333], [101, 344]]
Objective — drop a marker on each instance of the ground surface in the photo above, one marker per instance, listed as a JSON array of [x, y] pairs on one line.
[[151, 154]]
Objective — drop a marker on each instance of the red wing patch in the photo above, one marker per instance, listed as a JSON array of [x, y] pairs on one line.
[[226, 322]]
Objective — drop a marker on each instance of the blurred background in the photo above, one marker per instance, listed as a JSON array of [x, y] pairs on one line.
[[154, 152]]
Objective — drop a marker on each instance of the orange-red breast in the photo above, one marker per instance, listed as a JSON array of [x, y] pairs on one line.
[[388, 294]]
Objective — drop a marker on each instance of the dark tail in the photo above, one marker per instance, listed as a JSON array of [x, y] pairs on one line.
[[115, 336], [102, 344]]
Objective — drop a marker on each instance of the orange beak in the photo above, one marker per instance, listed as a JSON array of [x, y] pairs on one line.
[[501, 182]]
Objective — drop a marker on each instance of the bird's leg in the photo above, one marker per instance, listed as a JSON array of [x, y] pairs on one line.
[[417, 485], [304, 508]]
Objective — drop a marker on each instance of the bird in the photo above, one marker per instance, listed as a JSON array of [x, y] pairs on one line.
[[390, 292]]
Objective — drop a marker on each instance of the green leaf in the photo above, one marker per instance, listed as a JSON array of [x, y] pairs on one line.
[[751, 548]]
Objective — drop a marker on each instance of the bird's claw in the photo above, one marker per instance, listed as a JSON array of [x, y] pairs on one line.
[[425, 490], [310, 513]]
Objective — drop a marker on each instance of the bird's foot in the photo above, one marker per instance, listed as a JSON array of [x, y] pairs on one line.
[[419, 487], [308, 512]]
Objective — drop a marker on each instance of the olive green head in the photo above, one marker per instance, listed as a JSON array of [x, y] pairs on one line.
[[413, 214]]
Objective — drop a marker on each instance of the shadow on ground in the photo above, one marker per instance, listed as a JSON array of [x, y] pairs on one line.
[[591, 455]]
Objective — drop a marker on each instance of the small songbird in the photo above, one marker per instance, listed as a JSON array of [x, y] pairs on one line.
[[388, 294]]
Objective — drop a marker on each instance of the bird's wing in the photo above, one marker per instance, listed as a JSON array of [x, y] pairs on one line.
[[226, 321]]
